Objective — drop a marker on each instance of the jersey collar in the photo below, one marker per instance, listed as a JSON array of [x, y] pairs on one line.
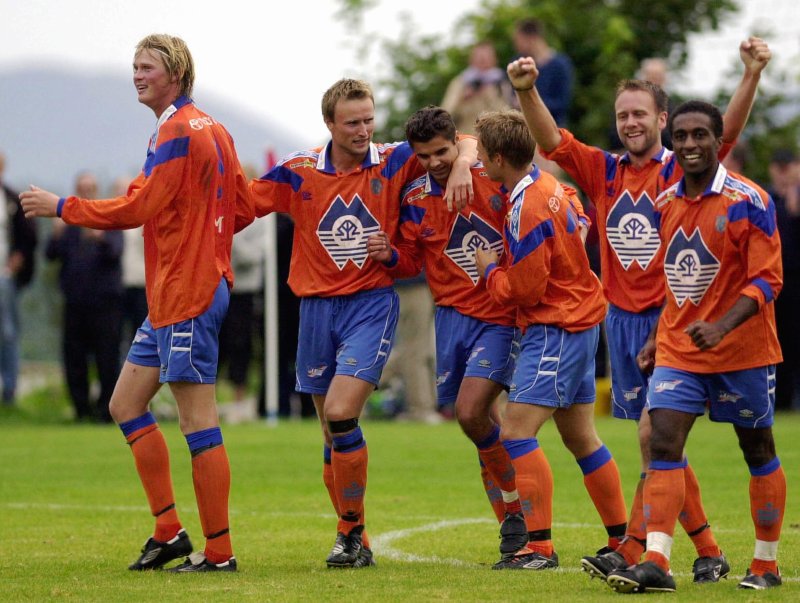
[[432, 187], [661, 157], [372, 158], [532, 177], [714, 187]]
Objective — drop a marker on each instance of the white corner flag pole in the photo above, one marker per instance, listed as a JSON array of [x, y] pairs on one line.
[[271, 319]]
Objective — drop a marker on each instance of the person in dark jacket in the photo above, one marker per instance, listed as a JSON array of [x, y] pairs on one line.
[[17, 245]]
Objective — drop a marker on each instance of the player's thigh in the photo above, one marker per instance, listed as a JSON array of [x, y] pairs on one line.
[[197, 407], [475, 398], [135, 387], [523, 420]]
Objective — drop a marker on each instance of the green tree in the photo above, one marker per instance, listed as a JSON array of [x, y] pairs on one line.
[[606, 39]]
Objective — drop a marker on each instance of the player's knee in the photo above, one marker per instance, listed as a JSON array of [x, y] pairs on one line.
[[343, 426], [663, 447], [758, 447]]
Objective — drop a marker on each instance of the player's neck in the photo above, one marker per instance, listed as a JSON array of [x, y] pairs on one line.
[[696, 184], [640, 160], [344, 162]]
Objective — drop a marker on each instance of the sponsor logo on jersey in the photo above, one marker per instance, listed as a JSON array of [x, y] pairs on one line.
[[344, 230], [427, 232], [630, 228], [690, 267], [316, 371], [198, 123], [631, 394], [467, 235], [554, 204], [305, 196], [667, 386], [728, 397], [305, 163]]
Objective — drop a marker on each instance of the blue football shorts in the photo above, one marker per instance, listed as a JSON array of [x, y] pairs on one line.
[[186, 351], [745, 398], [627, 332], [468, 347], [555, 367], [345, 335]]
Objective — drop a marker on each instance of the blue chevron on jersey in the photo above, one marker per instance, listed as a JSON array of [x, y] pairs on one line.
[[631, 230], [467, 235], [690, 267], [344, 230]]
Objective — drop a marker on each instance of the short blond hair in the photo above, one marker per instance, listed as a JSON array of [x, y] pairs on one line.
[[344, 89], [176, 57], [506, 133]]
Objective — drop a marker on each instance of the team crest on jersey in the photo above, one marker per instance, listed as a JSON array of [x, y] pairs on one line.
[[467, 235], [554, 204], [631, 231], [376, 186], [344, 230], [690, 267], [720, 223], [496, 202]]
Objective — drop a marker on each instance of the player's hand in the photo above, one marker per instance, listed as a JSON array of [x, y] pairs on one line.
[[705, 335], [522, 73], [379, 247], [646, 358], [39, 203], [484, 257], [459, 186], [755, 54]]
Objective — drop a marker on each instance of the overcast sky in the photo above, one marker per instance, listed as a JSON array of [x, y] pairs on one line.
[[277, 58]]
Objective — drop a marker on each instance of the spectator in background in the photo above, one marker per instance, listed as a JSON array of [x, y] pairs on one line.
[[784, 188], [134, 304], [737, 159], [555, 80], [236, 334], [91, 281], [482, 86], [17, 244]]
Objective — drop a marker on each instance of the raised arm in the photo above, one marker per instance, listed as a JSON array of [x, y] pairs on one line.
[[755, 55], [523, 74]]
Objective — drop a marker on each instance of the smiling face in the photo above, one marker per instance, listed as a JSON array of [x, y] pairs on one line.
[[436, 156], [154, 86], [639, 123], [352, 127], [695, 145]]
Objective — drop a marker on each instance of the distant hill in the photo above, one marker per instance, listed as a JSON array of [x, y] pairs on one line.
[[57, 121]]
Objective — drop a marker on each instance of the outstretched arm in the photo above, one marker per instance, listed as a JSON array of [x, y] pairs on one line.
[[459, 184], [755, 55], [523, 74]]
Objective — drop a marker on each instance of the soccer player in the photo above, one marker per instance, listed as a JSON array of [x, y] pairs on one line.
[[560, 305], [476, 338], [338, 195], [722, 267], [191, 196], [622, 189]]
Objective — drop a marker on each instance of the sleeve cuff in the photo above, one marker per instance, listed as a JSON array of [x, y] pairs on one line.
[[489, 269], [60, 206], [393, 260]]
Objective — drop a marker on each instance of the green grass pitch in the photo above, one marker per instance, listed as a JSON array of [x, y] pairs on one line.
[[74, 516]]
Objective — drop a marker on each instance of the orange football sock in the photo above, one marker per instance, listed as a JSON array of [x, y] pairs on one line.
[[767, 504], [211, 474], [493, 493], [663, 501], [349, 461], [327, 478], [535, 486], [632, 546], [693, 518], [495, 458], [601, 478], [151, 456]]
